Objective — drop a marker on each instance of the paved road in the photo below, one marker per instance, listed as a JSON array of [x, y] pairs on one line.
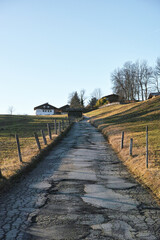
[[80, 191]]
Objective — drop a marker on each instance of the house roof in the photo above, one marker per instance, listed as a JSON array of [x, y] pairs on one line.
[[64, 108], [111, 95], [46, 106], [154, 94]]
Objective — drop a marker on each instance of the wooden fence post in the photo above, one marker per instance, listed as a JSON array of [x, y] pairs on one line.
[[62, 124], [1, 174], [147, 147], [131, 146], [122, 140], [55, 126], [18, 147], [65, 123], [59, 127], [49, 131], [44, 137], [37, 141]]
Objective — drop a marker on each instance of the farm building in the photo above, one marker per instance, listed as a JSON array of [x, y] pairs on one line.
[[75, 113], [112, 98], [151, 95], [46, 109], [64, 109]]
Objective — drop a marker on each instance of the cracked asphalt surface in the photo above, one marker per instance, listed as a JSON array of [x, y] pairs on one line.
[[79, 191]]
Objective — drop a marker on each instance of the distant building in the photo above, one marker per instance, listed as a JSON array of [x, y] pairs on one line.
[[64, 109], [75, 113], [151, 95], [46, 109], [112, 98]]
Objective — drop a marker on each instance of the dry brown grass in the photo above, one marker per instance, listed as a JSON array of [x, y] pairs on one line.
[[25, 126], [133, 119]]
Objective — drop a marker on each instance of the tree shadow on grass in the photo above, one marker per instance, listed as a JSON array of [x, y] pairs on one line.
[[134, 114]]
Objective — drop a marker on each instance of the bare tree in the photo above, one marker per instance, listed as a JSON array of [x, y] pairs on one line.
[[132, 81], [156, 75], [137, 80], [140, 77], [97, 93], [155, 81], [158, 66], [147, 78], [119, 83], [11, 109], [82, 97], [129, 74], [124, 81]]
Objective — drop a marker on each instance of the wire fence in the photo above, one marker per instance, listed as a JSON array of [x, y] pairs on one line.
[[19, 144], [155, 153]]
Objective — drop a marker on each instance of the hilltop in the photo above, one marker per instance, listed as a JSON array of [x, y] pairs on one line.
[[132, 119]]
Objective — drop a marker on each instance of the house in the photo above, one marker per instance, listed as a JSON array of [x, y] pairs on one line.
[[151, 95], [64, 109], [112, 98], [46, 109]]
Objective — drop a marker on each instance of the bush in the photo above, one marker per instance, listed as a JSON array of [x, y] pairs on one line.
[[101, 102]]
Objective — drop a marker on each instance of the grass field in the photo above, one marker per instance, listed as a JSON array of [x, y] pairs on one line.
[[133, 119], [24, 126]]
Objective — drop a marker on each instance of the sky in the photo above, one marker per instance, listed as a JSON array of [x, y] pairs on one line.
[[51, 48]]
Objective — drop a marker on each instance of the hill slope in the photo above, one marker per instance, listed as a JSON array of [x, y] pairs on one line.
[[133, 119]]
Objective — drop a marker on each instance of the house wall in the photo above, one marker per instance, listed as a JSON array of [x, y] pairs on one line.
[[64, 113], [44, 111]]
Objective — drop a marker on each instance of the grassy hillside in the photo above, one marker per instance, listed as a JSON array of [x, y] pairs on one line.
[[24, 126], [133, 119]]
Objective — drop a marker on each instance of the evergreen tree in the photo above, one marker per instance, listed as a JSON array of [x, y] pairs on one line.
[[75, 101]]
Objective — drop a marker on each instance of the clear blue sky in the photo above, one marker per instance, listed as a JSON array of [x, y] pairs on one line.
[[50, 48]]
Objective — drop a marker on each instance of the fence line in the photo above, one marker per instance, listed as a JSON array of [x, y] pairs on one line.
[[131, 146], [122, 140], [49, 126], [18, 148], [37, 141], [55, 126], [59, 127], [146, 146], [44, 137], [49, 131]]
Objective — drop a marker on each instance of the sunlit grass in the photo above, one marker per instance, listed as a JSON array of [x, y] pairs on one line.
[[24, 126], [133, 119]]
